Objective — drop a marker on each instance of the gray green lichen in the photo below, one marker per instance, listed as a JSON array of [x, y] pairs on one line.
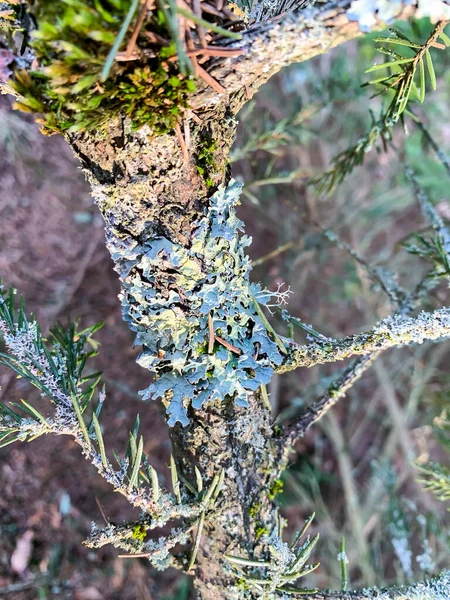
[[173, 295]]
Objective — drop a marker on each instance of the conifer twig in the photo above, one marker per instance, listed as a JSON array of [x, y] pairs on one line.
[[390, 332], [338, 389]]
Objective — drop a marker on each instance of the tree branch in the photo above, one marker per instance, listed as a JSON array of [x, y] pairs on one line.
[[322, 405], [269, 46], [337, 390], [296, 429], [437, 588], [395, 330], [163, 218]]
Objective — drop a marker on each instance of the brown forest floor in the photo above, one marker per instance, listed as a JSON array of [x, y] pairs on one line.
[[51, 249]]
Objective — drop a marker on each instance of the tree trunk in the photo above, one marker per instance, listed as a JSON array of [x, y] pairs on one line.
[[144, 190], [149, 187]]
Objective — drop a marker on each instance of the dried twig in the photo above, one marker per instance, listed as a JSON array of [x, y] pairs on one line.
[[182, 142]]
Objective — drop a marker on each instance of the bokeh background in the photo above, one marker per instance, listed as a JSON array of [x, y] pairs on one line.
[[354, 469]]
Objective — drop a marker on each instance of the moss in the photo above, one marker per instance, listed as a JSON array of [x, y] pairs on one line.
[[71, 45], [202, 348], [260, 531], [242, 584], [139, 533], [278, 430], [275, 489], [205, 160], [254, 509]]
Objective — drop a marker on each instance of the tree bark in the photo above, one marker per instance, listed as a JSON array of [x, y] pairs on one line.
[[144, 190]]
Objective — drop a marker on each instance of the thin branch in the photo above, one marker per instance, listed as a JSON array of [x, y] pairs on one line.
[[270, 46], [441, 155], [393, 331], [338, 389], [33, 360], [329, 398], [378, 275], [437, 588]]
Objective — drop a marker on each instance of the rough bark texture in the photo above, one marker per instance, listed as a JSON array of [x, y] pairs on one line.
[[144, 189]]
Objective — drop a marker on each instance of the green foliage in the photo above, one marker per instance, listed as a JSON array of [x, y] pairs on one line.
[[205, 162], [80, 86], [434, 247], [436, 479], [55, 366], [404, 83], [404, 70], [64, 350], [285, 565], [346, 161]]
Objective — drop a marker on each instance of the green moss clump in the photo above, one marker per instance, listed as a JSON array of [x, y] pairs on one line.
[[205, 161], [139, 532], [260, 531], [242, 584], [275, 489], [254, 510], [71, 44]]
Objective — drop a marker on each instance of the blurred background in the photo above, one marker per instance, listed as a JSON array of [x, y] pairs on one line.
[[354, 469]]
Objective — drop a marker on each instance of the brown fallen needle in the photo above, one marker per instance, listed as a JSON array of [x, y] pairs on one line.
[[182, 143], [227, 345], [211, 334]]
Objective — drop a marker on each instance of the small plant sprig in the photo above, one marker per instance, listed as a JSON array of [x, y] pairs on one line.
[[55, 366], [285, 566], [404, 69], [436, 479], [400, 86], [344, 163], [435, 247]]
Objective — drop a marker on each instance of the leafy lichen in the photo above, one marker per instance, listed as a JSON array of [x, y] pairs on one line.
[[193, 310]]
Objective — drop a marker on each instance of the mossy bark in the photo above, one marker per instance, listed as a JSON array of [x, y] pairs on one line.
[[144, 188], [240, 440]]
